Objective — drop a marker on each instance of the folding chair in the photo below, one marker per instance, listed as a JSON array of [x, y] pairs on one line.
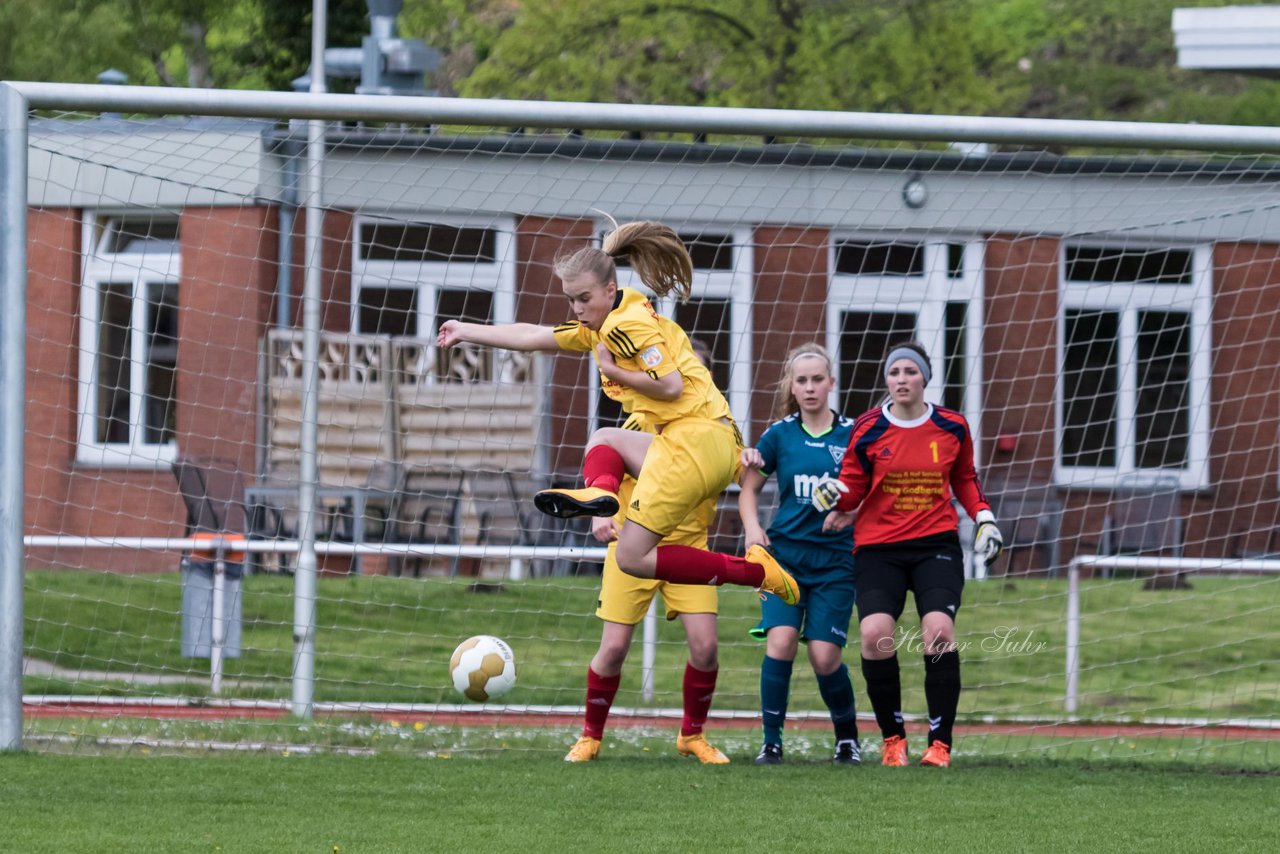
[[432, 503], [213, 491], [1029, 515], [1146, 520]]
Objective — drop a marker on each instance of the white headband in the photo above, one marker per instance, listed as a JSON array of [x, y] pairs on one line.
[[809, 354], [910, 355]]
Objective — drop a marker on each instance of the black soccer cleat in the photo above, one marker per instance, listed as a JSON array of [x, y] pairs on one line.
[[572, 503], [848, 752], [770, 754]]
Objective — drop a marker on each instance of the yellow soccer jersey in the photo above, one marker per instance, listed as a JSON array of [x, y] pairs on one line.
[[640, 339], [693, 530]]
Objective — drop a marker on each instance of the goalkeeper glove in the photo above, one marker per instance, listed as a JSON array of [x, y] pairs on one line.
[[826, 494], [987, 541]]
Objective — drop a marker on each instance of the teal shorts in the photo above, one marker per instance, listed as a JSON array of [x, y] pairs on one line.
[[826, 595]]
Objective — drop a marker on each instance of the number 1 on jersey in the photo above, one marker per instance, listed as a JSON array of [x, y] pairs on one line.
[[933, 446]]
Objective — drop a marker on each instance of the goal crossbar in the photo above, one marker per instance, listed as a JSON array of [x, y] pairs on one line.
[[642, 117]]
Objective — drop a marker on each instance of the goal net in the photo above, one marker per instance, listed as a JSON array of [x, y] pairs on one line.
[[1104, 318]]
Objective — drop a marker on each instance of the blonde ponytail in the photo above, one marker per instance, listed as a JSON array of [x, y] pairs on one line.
[[657, 255]]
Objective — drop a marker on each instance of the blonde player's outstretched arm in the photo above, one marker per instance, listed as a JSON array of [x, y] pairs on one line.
[[506, 336]]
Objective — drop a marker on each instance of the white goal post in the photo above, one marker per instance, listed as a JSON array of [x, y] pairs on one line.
[[943, 256]]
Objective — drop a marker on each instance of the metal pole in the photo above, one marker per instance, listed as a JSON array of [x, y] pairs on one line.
[[218, 631], [304, 593], [288, 215], [13, 367], [649, 651], [647, 117], [1073, 637]]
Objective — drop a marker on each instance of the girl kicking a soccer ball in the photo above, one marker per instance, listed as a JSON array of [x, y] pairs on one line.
[[647, 364]]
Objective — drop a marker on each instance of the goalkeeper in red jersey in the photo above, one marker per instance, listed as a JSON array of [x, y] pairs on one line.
[[904, 463]]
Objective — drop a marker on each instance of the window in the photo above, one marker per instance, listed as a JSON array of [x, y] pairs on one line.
[[129, 341], [718, 314], [408, 276], [1132, 388], [891, 289], [865, 337]]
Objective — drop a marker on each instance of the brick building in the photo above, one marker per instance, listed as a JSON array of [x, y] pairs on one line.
[[1106, 324]]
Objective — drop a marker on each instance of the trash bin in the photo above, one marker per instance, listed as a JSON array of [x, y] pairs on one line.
[[197, 608]]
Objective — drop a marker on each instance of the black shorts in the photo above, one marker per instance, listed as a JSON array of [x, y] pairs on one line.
[[930, 567]]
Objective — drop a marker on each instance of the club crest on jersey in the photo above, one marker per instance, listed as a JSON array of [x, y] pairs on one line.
[[651, 357], [837, 453]]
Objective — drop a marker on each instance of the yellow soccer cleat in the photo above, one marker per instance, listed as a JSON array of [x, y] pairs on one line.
[[584, 749], [572, 503], [894, 751], [776, 579], [938, 755], [697, 745]]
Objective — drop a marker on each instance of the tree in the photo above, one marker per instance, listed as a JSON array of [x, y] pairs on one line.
[[1060, 58], [279, 50], [1112, 59], [1052, 58], [902, 56], [200, 43]]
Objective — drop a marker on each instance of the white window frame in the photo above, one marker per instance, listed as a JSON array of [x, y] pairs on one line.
[[429, 277], [737, 286], [1127, 299], [926, 296], [99, 268]]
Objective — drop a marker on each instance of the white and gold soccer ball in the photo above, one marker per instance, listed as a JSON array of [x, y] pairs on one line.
[[483, 668]]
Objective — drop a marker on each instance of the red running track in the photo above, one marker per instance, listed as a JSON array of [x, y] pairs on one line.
[[178, 711]]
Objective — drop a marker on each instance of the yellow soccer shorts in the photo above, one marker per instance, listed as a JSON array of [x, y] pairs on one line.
[[691, 461], [625, 599]]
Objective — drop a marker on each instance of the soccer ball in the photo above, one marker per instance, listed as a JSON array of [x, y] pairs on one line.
[[483, 668]]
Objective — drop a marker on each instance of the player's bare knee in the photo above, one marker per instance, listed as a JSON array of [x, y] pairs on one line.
[[824, 657], [610, 657], [938, 632], [876, 635], [603, 436], [703, 654], [781, 644], [635, 561]]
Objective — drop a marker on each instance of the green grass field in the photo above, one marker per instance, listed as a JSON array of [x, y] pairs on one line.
[[356, 783], [639, 803], [1205, 652]]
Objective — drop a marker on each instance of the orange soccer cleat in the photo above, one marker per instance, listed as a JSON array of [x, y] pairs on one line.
[[894, 751], [584, 749], [776, 579], [697, 745], [938, 755]]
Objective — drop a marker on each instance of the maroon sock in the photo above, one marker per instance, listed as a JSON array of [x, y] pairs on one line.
[[603, 468], [699, 688], [600, 693], [688, 565]]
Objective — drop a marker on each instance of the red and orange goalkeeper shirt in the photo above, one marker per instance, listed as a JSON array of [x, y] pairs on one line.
[[902, 475]]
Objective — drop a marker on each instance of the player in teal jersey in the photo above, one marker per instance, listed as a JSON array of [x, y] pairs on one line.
[[801, 450]]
